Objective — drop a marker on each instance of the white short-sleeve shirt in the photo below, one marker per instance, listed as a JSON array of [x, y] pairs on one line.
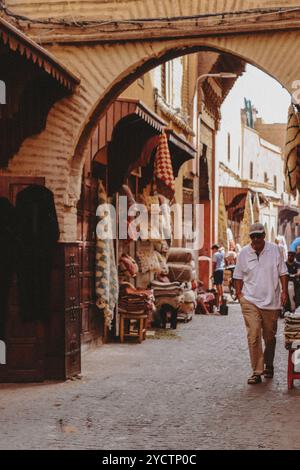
[[261, 275]]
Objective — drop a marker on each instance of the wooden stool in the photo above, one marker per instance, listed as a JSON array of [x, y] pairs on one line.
[[292, 375], [142, 320]]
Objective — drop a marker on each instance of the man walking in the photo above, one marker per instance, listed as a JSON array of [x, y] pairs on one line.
[[259, 268], [218, 266]]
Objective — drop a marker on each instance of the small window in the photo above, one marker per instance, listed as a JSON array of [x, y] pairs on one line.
[[203, 158], [141, 81], [251, 170], [228, 146], [266, 178], [204, 152], [275, 183]]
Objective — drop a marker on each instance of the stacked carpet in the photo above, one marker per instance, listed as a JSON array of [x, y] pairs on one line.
[[167, 293], [291, 328], [136, 301]]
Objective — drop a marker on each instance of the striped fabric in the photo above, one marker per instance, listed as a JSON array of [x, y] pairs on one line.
[[163, 170], [107, 284], [247, 221], [292, 152]]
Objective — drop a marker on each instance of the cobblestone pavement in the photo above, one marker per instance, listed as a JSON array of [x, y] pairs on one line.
[[187, 391]]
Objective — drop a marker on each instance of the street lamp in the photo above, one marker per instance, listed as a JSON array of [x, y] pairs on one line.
[[219, 74], [213, 75], [198, 125]]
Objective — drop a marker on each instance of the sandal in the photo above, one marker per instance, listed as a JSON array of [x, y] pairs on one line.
[[269, 372], [254, 379]]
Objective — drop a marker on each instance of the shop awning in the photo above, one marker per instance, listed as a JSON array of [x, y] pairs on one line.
[[287, 213], [150, 117], [235, 200], [181, 150], [130, 130], [32, 80], [120, 109], [23, 45]]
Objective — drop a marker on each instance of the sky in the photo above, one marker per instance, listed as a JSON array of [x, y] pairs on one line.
[[267, 95]]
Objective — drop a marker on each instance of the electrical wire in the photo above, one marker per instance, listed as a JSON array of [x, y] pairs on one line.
[[249, 13]]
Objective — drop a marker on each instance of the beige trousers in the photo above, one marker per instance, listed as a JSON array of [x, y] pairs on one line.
[[260, 323]]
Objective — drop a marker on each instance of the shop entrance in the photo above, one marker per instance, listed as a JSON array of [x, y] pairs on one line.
[[24, 340], [126, 136]]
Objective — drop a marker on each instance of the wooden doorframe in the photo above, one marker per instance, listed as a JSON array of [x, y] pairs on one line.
[[25, 360]]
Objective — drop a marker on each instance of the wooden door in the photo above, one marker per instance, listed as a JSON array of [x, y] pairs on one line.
[[24, 339], [92, 318]]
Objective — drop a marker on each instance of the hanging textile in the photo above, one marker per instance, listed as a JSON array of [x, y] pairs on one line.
[[131, 231], [107, 286], [267, 232], [256, 208], [247, 221], [292, 153], [146, 153], [163, 170], [222, 223]]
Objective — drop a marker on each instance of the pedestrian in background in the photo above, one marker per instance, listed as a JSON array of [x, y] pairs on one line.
[[297, 254], [280, 241], [218, 265], [293, 268]]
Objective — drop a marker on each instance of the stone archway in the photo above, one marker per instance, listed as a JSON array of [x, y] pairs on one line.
[[137, 69], [107, 68]]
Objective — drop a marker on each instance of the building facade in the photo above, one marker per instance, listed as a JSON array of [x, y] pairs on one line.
[[251, 156]]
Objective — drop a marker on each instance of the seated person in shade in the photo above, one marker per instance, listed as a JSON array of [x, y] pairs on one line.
[[205, 300]]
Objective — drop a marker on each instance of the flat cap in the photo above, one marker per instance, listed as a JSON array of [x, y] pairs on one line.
[[256, 228]]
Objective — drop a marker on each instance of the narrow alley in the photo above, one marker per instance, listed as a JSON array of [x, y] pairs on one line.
[[186, 390]]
